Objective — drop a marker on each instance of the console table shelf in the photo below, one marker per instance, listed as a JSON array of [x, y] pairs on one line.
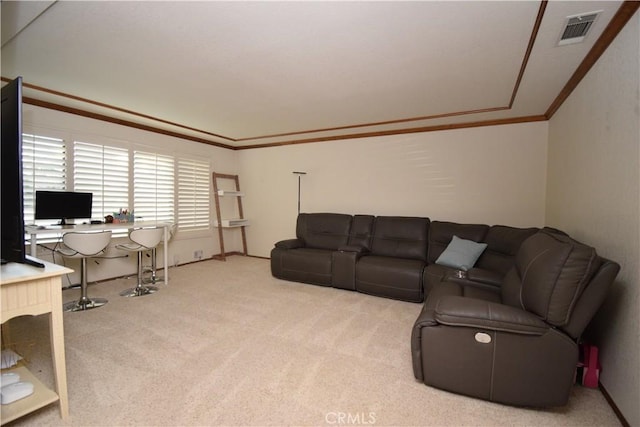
[[28, 290], [41, 397]]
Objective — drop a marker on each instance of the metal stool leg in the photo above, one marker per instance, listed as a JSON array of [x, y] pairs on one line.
[[84, 303], [154, 270], [140, 288]]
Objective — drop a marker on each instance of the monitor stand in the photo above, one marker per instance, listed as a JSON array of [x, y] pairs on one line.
[[31, 261], [63, 224], [27, 260]]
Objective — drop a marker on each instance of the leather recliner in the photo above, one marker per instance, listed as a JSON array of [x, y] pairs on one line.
[[308, 257], [516, 344], [394, 266]]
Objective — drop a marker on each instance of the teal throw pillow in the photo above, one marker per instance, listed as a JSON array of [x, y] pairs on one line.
[[461, 254]]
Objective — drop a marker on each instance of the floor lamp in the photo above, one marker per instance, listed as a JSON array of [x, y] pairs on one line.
[[299, 176]]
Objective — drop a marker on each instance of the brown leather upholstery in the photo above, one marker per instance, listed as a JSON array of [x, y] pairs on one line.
[[323, 231], [441, 233], [502, 242], [397, 259], [388, 256], [515, 344], [308, 258]]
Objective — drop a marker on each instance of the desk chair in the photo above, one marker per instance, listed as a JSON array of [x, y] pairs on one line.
[[84, 245], [142, 239]]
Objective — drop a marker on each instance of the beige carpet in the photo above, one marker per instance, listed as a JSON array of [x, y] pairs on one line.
[[227, 344]]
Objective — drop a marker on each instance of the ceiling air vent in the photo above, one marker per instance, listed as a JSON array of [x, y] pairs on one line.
[[576, 27]]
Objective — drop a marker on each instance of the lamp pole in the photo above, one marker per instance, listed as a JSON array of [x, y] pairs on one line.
[[299, 176]]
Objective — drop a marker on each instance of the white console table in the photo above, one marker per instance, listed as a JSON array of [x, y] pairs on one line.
[[34, 232], [28, 290]]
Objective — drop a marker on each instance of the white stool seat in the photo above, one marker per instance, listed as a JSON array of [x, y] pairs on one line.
[[84, 245], [141, 239]]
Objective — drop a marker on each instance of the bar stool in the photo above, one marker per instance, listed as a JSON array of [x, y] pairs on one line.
[[154, 278], [142, 239], [84, 245]]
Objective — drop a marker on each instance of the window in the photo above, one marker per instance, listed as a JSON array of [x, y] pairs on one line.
[[193, 194], [44, 167], [157, 187], [104, 171], [153, 186]]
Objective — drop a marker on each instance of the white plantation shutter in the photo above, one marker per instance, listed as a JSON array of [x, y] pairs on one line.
[[153, 186], [104, 171], [44, 167], [193, 194]]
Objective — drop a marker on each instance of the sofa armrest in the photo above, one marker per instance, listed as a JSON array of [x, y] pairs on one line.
[[470, 312], [361, 250], [290, 244], [487, 277]]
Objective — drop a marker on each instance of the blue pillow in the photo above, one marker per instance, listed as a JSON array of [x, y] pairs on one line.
[[461, 254]]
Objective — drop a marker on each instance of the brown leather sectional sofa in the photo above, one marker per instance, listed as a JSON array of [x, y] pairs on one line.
[[516, 343], [506, 329], [388, 256]]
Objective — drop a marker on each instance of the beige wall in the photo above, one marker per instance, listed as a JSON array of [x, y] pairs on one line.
[[593, 192], [493, 175]]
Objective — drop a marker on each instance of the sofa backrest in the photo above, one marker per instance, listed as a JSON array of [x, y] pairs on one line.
[[361, 231], [503, 243], [323, 230], [441, 233], [400, 237], [550, 274]]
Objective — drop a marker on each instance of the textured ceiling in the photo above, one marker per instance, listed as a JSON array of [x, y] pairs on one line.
[[257, 73]]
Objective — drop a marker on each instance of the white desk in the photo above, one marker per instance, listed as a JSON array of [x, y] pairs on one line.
[[28, 290], [58, 229]]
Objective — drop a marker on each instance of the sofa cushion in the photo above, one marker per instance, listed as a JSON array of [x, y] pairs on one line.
[[323, 230], [441, 233], [307, 265], [461, 254], [398, 278], [400, 237], [553, 270], [503, 243]]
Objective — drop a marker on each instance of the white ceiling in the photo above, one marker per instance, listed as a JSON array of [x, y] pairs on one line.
[[251, 73]]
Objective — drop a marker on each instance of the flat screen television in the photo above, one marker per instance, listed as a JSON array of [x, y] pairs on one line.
[[11, 196], [63, 205]]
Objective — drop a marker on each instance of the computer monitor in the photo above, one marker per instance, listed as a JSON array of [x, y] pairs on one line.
[[12, 214], [63, 205]]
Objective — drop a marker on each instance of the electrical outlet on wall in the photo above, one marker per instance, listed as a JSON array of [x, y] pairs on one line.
[[197, 254]]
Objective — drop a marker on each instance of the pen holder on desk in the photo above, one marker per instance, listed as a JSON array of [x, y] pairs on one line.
[[120, 218]]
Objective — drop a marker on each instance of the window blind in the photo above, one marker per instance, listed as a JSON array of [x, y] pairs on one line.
[[193, 194], [104, 171], [44, 167], [153, 186]]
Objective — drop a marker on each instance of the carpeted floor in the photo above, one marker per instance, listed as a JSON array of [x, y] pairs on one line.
[[227, 344]]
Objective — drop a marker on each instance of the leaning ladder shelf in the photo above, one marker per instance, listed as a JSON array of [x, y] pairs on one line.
[[240, 222]]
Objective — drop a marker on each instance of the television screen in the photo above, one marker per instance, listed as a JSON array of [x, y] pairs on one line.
[[12, 214], [63, 205]]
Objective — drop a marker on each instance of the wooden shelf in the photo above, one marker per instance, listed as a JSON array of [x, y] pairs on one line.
[[231, 223], [228, 193], [42, 396], [237, 223]]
